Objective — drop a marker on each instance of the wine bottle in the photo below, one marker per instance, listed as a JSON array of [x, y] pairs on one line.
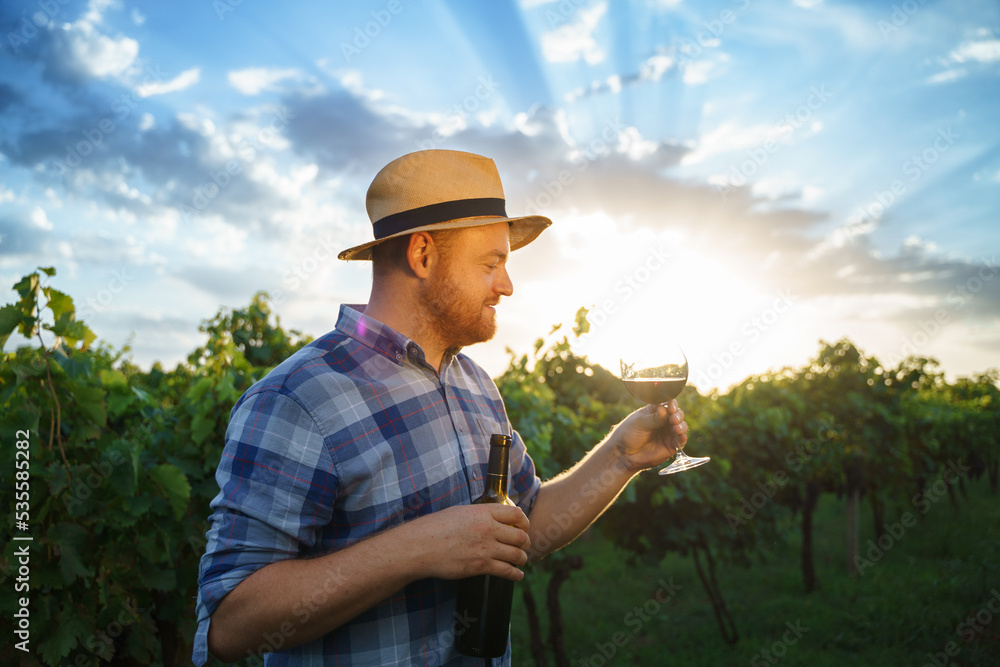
[[484, 601]]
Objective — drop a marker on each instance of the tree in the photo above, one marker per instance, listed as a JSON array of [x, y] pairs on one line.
[[120, 472]]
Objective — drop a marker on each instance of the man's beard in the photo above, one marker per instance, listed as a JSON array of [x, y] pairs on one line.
[[457, 319]]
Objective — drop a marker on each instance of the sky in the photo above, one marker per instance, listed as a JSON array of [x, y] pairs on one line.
[[742, 178]]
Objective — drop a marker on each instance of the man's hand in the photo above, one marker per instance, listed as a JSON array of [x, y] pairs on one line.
[[651, 435], [468, 540]]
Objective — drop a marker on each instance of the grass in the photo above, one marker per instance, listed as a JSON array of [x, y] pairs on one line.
[[909, 606]]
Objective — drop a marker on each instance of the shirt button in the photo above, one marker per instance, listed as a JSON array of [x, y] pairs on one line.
[[399, 356]]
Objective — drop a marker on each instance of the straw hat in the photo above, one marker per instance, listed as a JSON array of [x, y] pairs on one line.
[[439, 189]]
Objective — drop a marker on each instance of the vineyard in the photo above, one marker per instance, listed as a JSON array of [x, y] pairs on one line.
[[121, 461]]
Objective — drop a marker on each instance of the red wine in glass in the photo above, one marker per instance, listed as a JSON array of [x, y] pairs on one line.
[[654, 391], [659, 382]]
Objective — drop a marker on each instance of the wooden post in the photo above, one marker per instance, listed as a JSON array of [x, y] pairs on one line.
[[853, 498]]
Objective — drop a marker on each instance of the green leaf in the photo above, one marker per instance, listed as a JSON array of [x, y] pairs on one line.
[[161, 579], [582, 324], [60, 303], [137, 506], [50, 271], [66, 327], [69, 630], [200, 388], [201, 427], [27, 286], [90, 400], [174, 483], [113, 379], [69, 538], [10, 317]]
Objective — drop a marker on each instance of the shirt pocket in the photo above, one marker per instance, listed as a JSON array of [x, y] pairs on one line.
[[483, 428]]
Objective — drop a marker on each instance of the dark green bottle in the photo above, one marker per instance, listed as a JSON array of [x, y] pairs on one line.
[[485, 600]]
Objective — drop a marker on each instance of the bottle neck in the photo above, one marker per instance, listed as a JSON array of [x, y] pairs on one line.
[[496, 470]]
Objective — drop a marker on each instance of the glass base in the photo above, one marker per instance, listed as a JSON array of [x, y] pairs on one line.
[[684, 462]]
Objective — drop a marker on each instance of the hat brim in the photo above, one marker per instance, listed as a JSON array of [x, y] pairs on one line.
[[523, 231]]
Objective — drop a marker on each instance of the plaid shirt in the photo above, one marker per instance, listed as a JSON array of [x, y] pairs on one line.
[[354, 434]]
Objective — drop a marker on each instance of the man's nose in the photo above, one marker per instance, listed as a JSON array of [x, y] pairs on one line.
[[504, 285]]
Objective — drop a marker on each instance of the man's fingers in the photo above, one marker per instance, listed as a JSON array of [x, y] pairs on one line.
[[510, 515], [514, 537], [508, 571], [514, 556]]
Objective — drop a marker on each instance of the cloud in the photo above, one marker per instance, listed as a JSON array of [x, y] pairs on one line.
[[698, 72], [72, 53], [344, 130], [40, 219], [730, 136], [983, 51], [255, 80], [92, 52], [103, 248], [650, 71], [946, 76], [575, 40], [183, 80]]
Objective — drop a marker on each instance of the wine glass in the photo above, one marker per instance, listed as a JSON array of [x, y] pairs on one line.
[[655, 379]]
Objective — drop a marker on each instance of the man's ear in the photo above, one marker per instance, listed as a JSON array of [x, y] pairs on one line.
[[421, 254]]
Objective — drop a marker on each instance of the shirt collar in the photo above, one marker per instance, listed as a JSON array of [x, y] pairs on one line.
[[380, 337]]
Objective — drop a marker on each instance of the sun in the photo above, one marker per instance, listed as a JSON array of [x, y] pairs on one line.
[[673, 294]]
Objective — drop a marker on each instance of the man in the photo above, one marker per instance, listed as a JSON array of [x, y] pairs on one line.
[[344, 516]]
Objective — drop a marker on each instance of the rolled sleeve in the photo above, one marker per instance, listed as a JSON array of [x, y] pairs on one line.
[[277, 484]]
